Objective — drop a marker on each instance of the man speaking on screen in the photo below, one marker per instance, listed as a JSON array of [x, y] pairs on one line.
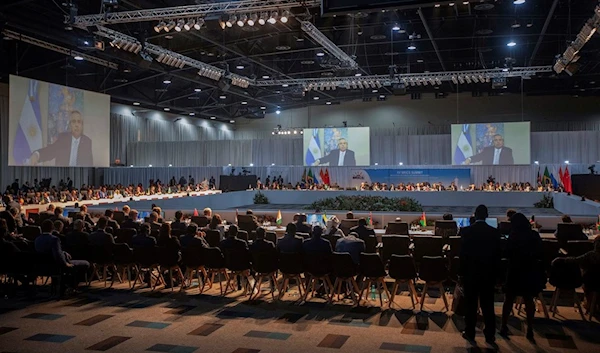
[[492, 155], [70, 149], [341, 156]]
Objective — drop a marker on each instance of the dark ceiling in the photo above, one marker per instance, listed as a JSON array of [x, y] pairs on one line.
[[468, 36]]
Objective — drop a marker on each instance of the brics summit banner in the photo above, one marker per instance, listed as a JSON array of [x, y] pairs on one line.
[[460, 177]]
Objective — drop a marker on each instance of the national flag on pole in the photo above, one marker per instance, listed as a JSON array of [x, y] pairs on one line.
[[196, 213], [554, 181], [464, 147], [325, 219], [309, 177], [546, 179], [327, 180], [322, 176], [314, 148], [539, 177], [304, 175], [279, 220], [28, 137], [561, 175], [423, 220], [568, 186], [116, 208], [370, 219]]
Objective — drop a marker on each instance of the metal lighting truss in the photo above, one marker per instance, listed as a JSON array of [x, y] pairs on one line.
[[201, 10], [69, 52], [376, 81], [175, 59], [333, 49], [571, 54]]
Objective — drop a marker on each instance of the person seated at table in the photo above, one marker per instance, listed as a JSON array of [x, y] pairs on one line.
[[216, 223], [83, 211], [333, 224], [178, 224], [191, 239], [131, 221], [447, 217], [261, 244], [248, 222], [290, 243], [366, 234], [143, 238], [563, 237], [153, 221], [349, 215], [232, 241], [351, 244], [302, 226], [316, 244]]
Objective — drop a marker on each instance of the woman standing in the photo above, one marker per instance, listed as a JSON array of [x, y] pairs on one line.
[[524, 253]]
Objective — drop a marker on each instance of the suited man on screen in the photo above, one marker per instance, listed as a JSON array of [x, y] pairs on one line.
[[498, 154], [71, 149], [339, 157]]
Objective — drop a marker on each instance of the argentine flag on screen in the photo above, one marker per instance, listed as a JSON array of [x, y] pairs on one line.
[[314, 148], [28, 137], [464, 148]]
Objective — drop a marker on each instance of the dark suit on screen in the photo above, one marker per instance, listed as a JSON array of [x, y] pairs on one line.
[[333, 158], [487, 156], [60, 151]]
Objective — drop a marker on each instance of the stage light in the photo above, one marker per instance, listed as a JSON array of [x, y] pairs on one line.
[[169, 26], [320, 53], [272, 132], [400, 163], [232, 121], [566, 162], [212, 118], [328, 103], [78, 57], [242, 21], [412, 46], [252, 20], [536, 162], [316, 98], [295, 132], [511, 44], [192, 114], [167, 109], [229, 165], [159, 26], [197, 89], [301, 132], [376, 163], [273, 19], [223, 97], [232, 19], [263, 107], [263, 18], [518, 2], [285, 16], [149, 165], [252, 164], [189, 24], [136, 103], [131, 166], [272, 163], [199, 23], [278, 112], [437, 5], [285, 85], [167, 81], [180, 25], [244, 103], [266, 77], [170, 165], [222, 23], [396, 28]]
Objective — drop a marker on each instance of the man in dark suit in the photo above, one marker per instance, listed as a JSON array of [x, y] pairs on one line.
[[85, 215], [110, 221], [191, 239], [100, 237], [154, 225], [366, 234], [302, 226], [261, 244], [178, 223], [497, 154], [143, 238], [290, 243], [479, 263], [71, 149], [232, 241], [77, 239], [10, 217], [131, 221], [316, 244], [58, 216], [49, 213], [340, 157]]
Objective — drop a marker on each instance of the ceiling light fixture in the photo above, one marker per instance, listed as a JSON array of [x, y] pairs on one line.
[[169, 26], [273, 19], [396, 28], [263, 18], [212, 118], [167, 109], [242, 21], [511, 44], [78, 57], [518, 2], [285, 16], [180, 25], [199, 23], [252, 20], [166, 81], [412, 46], [197, 89], [159, 26], [320, 53], [136, 103], [189, 24], [232, 19]]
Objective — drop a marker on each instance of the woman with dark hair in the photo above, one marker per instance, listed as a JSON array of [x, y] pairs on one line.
[[524, 253], [216, 224], [170, 249]]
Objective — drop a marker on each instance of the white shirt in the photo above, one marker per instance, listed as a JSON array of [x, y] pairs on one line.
[[74, 149], [341, 158], [497, 155]]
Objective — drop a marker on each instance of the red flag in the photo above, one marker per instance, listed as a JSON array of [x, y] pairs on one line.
[[327, 180], [568, 186], [561, 176], [370, 218], [322, 176], [195, 213], [116, 209]]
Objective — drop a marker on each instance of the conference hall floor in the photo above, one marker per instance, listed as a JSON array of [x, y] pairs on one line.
[[118, 320]]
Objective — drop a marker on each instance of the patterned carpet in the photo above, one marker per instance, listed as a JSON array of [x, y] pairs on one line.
[[119, 320]]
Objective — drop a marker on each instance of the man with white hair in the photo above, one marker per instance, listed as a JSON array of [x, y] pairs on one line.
[[332, 226]]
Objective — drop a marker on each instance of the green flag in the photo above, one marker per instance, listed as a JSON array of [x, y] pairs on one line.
[[304, 175], [279, 219], [546, 179], [310, 178]]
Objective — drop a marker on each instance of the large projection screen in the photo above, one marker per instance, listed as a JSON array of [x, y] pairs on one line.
[[337, 146], [491, 144], [53, 125]]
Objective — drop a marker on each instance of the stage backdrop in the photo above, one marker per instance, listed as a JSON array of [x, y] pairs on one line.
[[461, 177], [337, 146], [491, 143], [53, 125]]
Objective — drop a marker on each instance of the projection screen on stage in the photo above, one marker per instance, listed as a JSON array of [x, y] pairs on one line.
[[491, 144], [53, 125], [337, 146]]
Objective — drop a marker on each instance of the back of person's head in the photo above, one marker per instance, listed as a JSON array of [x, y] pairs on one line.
[[133, 214], [58, 211], [178, 215], [566, 219], [165, 231], [302, 218], [158, 211], [126, 209], [332, 222], [447, 217], [349, 215], [108, 213], [317, 231], [78, 225], [58, 226], [519, 223], [207, 212], [260, 233], [50, 208], [83, 208], [191, 229], [510, 212], [362, 222], [13, 211], [215, 221], [481, 213], [233, 230], [398, 219], [153, 217], [296, 217], [249, 211], [145, 229], [290, 229], [102, 222], [47, 226]]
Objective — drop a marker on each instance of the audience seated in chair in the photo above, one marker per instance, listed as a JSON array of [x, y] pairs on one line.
[[100, 237], [366, 234], [290, 243], [351, 244], [110, 221], [178, 224], [567, 230], [131, 221], [232, 241], [248, 222], [143, 238], [316, 244], [261, 244], [191, 239]]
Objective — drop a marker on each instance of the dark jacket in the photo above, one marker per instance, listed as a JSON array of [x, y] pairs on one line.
[[50, 244], [190, 241], [487, 156], [290, 244], [130, 224], [333, 158], [143, 241], [525, 273], [179, 225], [316, 245], [60, 151], [480, 253], [367, 235], [262, 245], [302, 227], [77, 239], [101, 238], [233, 243]]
